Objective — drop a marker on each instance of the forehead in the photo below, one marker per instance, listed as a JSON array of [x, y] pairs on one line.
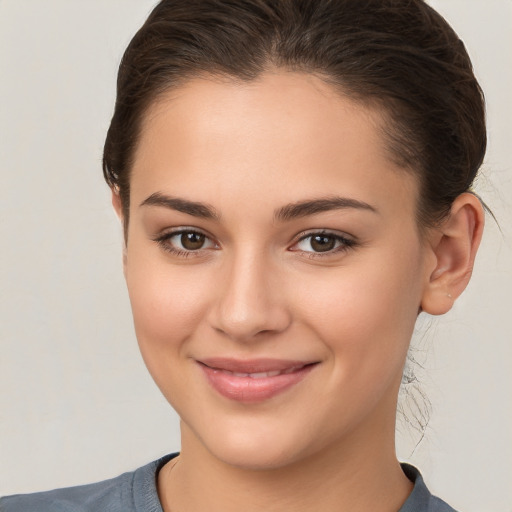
[[282, 135], [302, 103]]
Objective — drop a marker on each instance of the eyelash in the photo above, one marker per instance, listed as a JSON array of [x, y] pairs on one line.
[[163, 240], [345, 243]]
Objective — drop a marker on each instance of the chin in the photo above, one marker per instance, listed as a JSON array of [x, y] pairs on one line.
[[255, 449], [256, 457]]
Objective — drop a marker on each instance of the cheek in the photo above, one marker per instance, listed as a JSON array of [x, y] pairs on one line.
[[168, 302], [365, 312]]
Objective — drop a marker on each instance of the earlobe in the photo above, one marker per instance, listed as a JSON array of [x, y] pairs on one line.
[[454, 246], [125, 260], [117, 204]]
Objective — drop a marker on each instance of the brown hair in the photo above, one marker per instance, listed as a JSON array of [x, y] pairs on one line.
[[399, 55]]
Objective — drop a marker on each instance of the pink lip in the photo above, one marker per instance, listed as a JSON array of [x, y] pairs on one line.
[[222, 376]]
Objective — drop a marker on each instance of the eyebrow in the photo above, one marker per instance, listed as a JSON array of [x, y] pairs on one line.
[[202, 210], [313, 206], [283, 214]]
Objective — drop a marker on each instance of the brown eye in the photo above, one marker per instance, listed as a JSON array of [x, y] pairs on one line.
[[192, 241], [322, 243], [185, 243]]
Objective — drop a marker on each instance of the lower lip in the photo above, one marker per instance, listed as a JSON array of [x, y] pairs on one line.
[[250, 390]]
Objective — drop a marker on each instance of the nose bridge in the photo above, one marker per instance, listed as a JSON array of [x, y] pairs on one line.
[[249, 300]]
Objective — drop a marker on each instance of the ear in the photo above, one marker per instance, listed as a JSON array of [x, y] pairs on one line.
[[118, 207], [116, 203], [454, 245]]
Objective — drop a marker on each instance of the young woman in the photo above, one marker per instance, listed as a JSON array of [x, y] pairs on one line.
[[294, 183]]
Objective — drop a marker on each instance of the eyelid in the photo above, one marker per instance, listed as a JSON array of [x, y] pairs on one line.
[[165, 235], [347, 242], [168, 232], [323, 231]]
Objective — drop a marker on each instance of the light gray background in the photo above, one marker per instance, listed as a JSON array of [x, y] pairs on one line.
[[76, 403]]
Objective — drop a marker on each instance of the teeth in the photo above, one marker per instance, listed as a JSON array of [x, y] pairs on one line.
[[262, 375]]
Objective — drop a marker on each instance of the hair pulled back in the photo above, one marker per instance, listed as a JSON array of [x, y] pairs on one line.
[[398, 55]]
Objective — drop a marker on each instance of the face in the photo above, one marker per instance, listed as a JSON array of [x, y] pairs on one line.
[[274, 267]]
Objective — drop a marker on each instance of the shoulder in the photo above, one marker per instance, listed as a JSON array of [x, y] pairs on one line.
[[97, 496], [130, 492], [421, 500], [438, 505]]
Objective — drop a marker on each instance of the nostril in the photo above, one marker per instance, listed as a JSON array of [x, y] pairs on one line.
[[248, 305]]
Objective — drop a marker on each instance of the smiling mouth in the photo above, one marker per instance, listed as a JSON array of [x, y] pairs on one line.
[[262, 375], [255, 380]]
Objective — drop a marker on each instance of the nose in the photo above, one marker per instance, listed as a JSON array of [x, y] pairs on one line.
[[249, 300]]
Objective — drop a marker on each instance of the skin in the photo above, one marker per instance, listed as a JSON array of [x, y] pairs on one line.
[[257, 288]]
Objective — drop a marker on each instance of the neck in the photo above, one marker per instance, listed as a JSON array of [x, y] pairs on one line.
[[356, 476]]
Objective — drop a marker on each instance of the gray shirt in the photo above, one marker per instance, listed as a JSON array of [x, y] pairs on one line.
[[136, 492]]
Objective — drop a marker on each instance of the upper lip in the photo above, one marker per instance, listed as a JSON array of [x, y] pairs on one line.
[[252, 365]]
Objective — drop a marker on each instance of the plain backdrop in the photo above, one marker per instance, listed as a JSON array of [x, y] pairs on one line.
[[76, 402]]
